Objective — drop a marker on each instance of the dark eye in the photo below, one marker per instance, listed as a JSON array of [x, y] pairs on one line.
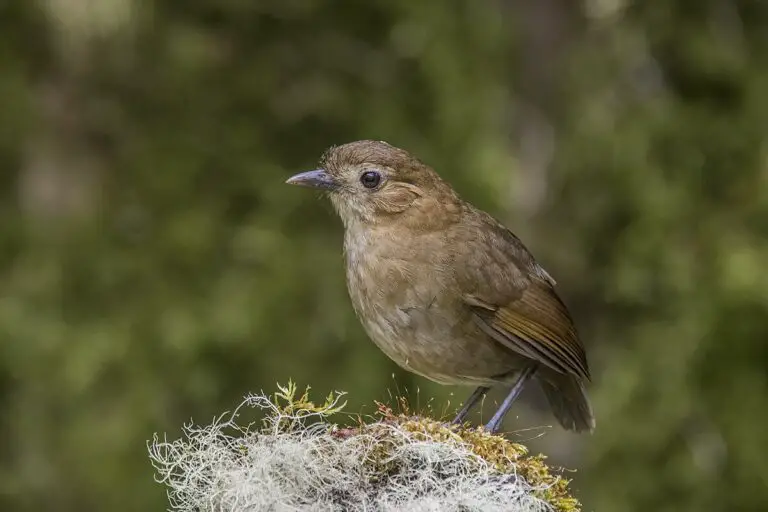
[[370, 179]]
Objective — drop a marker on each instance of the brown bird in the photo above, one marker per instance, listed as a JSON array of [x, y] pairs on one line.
[[444, 289]]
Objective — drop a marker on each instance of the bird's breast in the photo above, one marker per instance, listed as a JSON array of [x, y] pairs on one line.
[[394, 295]]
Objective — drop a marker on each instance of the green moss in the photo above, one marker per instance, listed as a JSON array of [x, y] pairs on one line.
[[503, 455]]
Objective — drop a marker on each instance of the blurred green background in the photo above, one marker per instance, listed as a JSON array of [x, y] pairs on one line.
[[154, 268]]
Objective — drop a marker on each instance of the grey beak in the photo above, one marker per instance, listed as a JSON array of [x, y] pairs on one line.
[[314, 179]]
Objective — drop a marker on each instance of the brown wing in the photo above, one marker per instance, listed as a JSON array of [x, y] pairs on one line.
[[513, 299], [536, 325]]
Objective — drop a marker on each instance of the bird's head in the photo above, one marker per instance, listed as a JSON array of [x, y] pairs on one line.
[[371, 182]]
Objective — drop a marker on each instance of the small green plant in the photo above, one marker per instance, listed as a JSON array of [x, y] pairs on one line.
[[297, 409]]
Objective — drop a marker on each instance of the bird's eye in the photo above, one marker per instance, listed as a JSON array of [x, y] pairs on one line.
[[370, 179]]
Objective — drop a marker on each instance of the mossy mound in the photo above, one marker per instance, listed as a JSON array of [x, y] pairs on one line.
[[299, 459]]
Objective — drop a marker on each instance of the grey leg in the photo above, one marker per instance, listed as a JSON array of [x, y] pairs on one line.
[[495, 423], [475, 397]]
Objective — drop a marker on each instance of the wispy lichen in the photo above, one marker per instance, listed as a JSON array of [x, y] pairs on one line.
[[298, 459]]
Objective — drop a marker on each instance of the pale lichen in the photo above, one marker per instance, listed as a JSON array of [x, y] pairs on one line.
[[299, 459]]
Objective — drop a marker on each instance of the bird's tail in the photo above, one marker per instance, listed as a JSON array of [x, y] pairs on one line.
[[568, 399]]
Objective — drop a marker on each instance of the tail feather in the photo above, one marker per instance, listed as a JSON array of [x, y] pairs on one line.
[[568, 400]]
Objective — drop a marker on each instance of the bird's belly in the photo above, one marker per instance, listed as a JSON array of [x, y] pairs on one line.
[[445, 348]]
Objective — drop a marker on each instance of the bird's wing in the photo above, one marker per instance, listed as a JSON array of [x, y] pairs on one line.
[[514, 301], [536, 325]]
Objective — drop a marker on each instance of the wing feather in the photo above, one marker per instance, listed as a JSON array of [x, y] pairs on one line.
[[513, 298], [536, 325]]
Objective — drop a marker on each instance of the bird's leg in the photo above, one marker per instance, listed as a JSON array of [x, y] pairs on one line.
[[476, 396], [495, 423]]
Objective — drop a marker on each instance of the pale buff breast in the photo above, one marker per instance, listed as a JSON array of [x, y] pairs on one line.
[[404, 308]]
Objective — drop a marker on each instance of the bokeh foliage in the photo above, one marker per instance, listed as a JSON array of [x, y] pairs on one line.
[[155, 268]]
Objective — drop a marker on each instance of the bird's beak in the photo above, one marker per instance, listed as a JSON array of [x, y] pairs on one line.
[[315, 179]]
